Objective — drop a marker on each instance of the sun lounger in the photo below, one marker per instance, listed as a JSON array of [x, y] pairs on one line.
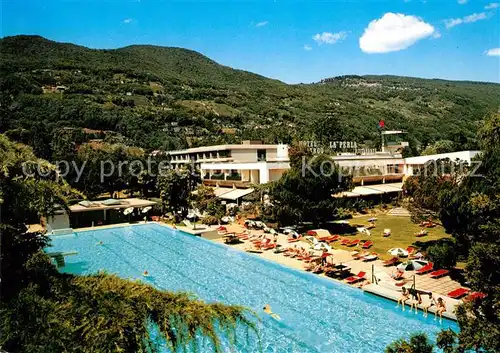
[[439, 273], [475, 296], [398, 275], [371, 257], [319, 269], [387, 232], [353, 279], [357, 255], [268, 247], [427, 268], [261, 243], [294, 240], [458, 293], [333, 238], [422, 233], [345, 241], [367, 244], [391, 262], [354, 242], [256, 251]]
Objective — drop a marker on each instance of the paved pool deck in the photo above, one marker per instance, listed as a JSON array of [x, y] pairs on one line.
[[386, 286]]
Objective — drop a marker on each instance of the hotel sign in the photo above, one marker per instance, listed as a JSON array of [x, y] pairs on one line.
[[332, 146]]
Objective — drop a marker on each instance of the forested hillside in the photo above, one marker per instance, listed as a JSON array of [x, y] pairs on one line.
[[159, 97]]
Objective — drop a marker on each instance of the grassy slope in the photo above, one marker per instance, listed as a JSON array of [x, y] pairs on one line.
[[403, 233], [256, 106]]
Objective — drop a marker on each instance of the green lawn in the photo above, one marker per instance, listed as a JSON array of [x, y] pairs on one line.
[[402, 234]]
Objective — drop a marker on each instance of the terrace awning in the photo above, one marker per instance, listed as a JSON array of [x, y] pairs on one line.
[[377, 189], [235, 194]]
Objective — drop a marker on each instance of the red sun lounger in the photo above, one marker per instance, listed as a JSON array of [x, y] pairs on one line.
[[354, 242], [458, 293], [293, 240], [391, 262], [475, 296], [439, 273], [367, 244], [425, 269], [333, 238], [268, 247], [353, 279], [345, 241]]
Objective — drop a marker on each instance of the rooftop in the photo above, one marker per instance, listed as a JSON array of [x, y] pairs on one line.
[[225, 147], [110, 204]]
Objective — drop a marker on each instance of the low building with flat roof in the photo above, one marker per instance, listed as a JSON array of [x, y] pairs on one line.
[[90, 213]]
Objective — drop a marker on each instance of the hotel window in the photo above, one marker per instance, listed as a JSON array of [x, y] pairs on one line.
[[261, 155]]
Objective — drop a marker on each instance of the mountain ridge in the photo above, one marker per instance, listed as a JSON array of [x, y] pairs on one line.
[[168, 97]]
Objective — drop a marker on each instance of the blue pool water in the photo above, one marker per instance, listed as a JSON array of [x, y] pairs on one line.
[[318, 315]]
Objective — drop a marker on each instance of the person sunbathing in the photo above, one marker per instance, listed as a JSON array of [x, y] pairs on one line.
[[267, 310], [318, 268], [405, 295], [432, 301], [441, 308], [398, 275]]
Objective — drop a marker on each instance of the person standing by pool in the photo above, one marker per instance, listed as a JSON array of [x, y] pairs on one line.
[[405, 295], [324, 256], [267, 310]]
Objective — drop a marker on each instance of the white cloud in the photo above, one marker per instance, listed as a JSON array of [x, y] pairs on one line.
[[307, 47], [462, 2], [493, 52], [262, 24], [452, 22], [393, 32], [491, 6], [128, 20], [329, 38], [436, 35]]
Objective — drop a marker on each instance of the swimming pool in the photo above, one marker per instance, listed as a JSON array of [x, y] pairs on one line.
[[318, 315]]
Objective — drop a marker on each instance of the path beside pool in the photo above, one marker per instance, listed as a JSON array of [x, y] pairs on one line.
[[386, 287]]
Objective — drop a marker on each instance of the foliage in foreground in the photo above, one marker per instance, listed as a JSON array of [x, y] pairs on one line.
[[418, 343], [43, 310], [468, 205]]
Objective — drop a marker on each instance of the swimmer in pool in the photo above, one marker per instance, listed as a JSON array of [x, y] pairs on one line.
[[267, 310], [145, 274], [100, 242]]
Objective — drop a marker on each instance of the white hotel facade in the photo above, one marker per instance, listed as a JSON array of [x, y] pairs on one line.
[[230, 167]]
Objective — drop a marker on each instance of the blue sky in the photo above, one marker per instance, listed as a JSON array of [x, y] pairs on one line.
[[292, 41]]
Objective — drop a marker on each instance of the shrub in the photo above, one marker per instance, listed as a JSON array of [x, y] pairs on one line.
[[443, 254], [210, 220]]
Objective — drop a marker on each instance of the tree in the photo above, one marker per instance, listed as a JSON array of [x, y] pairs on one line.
[[443, 254], [468, 208], [441, 146], [305, 192], [206, 202], [418, 343], [174, 186], [43, 310]]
